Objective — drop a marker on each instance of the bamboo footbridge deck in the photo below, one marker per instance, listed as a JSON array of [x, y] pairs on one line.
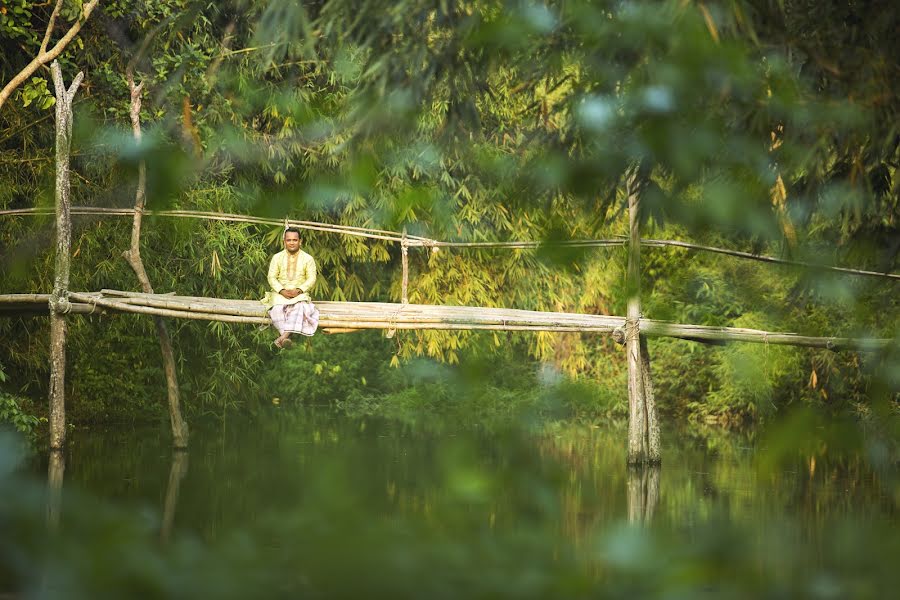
[[341, 317]]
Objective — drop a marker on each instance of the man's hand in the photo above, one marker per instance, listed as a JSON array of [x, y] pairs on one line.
[[293, 293]]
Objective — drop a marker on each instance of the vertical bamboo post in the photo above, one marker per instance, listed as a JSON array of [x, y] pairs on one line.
[[59, 303], [133, 256], [637, 444], [643, 424], [404, 257]]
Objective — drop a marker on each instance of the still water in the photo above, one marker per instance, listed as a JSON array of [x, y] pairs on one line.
[[319, 503]]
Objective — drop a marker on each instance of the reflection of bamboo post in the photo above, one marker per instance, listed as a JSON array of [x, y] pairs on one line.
[[404, 256], [176, 474], [634, 487], [56, 470], [133, 256], [643, 494], [652, 493], [59, 300]]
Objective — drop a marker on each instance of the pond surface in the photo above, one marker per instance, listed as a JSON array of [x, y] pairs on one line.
[[319, 503]]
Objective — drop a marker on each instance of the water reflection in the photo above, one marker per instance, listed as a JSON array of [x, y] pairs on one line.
[[56, 470], [301, 499], [643, 494], [176, 473]]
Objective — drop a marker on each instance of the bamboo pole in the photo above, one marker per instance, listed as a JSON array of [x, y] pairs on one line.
[[179, 426], [181, 314], [404, 257], [363, 232], [59, 301]]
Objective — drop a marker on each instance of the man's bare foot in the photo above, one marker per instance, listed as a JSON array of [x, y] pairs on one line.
[[284, 341]]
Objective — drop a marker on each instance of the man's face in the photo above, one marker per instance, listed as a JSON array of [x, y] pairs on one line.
[[291, 241]]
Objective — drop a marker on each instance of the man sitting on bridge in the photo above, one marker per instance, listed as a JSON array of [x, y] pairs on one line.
[[292, 273]]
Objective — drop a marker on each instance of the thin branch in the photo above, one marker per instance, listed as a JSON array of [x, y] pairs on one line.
[[50, 26], [253, 49]]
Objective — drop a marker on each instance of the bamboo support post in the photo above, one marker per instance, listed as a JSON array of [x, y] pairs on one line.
[[643, 446], [404, 257], [133, 257], [59, 299]]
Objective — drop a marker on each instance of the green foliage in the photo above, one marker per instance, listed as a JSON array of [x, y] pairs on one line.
[[12, 413], [353, 374], [749, 377], [15, 19], [36, 91]]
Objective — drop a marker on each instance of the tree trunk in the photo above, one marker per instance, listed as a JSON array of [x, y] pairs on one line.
[[133, 256], [59, 301]]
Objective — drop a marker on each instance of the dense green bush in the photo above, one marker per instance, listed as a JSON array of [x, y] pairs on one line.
[[13, 412]]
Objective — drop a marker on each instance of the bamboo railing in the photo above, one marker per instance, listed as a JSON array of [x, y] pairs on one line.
[[413, 241]]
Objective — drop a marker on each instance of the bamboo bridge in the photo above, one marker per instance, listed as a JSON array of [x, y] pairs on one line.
[[341, 317], [345, 317]]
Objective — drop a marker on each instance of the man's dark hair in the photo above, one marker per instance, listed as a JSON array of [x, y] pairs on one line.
[[292, 230]]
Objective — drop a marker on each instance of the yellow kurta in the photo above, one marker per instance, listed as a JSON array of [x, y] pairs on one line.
[[290, 271]]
